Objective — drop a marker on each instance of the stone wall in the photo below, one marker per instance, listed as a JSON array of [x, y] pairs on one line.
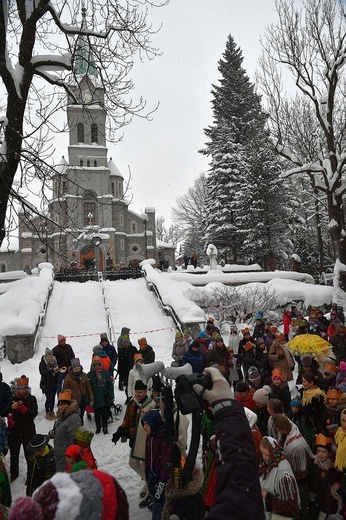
[[20, 348]]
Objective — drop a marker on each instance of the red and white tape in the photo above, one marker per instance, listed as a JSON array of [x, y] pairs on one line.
[[116, 332]]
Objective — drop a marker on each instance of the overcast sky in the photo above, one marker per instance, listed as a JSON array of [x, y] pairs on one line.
[[163, 154]]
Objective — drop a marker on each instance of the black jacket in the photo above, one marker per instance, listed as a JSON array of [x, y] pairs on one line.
[[63, 354], [238, 492], [40, 469]]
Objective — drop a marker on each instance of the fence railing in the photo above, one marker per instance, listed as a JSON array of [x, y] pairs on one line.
[[75, 276]]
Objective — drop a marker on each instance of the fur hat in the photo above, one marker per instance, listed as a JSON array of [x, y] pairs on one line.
[[142, 341], [75, 363], [38, 442], [154, 419], [65, 395], [137, 357], [22, 382], [83, 494], [61, 338], [253, 374], [48, 352], [261, 396], [139, 385]]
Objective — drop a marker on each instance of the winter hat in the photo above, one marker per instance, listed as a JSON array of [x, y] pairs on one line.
[[186, 332], [210, 320], [214, 335], [74, 451], [154, 419], [137, 357], [261, 396], [342, 366], [65, 396], [83, 494], [245, 331], [202, 334], [249, 345], [330, 368], [84, 436], [126, 338], [96, 361], [103, 337], [195, 344], [23, 382], [38, 442], [273, 328], [341, 326], [277, 374], [142, 342], [218, 338], [253, 374], [139, 385], [302, 324], [61, 338], [296, 402], [97, 349], [48, 352], [306, 360], [75, 363], [178, 335]]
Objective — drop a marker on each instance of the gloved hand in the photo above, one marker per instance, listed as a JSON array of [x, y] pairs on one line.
[[118, 434], [220, 390], [281, 356]]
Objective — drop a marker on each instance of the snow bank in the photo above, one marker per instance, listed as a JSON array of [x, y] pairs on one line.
[[238, 278], [22, 301]]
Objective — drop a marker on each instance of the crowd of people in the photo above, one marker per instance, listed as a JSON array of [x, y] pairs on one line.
[[273, 424]]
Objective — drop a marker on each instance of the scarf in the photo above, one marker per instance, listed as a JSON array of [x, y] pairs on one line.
[[296, 448], [289, 357], [99, 379], [340, 440], [277, 477], [50, 364], [309, 394]]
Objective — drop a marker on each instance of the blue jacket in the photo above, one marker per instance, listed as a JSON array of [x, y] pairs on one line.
[[196, 360]]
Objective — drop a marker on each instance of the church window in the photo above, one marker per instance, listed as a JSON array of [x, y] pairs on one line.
[[81, 162], [122, 244], [121, 220], [112, 188], [64, 187], [95, 164], [80, 133], [3, 268], [89, 209], [134, 227], [88, 164], [94, 133], [120, 190]]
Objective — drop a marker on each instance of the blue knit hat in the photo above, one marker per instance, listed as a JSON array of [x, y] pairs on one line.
[[296, 402], [154, 419], [202, 334]]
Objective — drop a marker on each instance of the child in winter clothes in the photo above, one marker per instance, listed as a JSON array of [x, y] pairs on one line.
[[335, 403], [321, 477], [157, 459], [73, 458], [233, 370], [295, 414], [341, 377], [41, 463], [83, 439]]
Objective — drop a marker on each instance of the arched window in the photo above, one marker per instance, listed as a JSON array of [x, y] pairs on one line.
[[133, 226], [94, 133], [88, 164], [89, 209], [81, 162], [80, 133], [95, 164]]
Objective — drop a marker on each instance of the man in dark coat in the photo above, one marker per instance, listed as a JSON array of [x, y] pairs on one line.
[[21, 424], [6, 397], [63, 353], [195, 356], [41, 463], [146, 351], [125, 332], [108, 348], [338, 342], [126, 361]]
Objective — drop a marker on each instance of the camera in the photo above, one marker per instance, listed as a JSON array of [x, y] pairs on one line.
[[187, 399]]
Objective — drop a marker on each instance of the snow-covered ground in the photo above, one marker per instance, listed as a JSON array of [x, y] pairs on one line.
[[76, 311]]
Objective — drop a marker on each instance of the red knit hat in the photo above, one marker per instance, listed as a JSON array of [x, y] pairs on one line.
[[74, 451]]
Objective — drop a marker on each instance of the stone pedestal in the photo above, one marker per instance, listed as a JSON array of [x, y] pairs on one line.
[[20, 348]]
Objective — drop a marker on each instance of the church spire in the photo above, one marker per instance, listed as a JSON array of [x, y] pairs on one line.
[[84, 62]]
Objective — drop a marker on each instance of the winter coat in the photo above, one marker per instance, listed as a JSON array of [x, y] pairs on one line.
[[6, 398], [286, 364], [125, 361], [338, 346], [3, 436], [179, 350], [281, 392], [49, 378], [103, 394], [124, 331], [105, 361], [80, 387], [241, 351], [111, 353], [313, 413], [158, 464], [218, 356], [247, 401], [133, 427], [133, 377], [258, 331], [320, 483], [286, 320], [238, 493], [331, 419], [64, 433], [40, 469], [23, 418], [147, 354], [196, 360], [63, 354]]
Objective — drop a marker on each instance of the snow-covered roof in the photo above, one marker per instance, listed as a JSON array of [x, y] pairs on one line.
[[61, 168], [167, 245], [114, 169]]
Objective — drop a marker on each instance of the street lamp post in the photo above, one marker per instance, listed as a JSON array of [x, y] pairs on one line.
[[145, 222]]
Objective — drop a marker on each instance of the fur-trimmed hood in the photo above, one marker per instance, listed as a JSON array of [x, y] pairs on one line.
[[73, 407]]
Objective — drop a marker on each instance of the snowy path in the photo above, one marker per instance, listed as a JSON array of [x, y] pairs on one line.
[[76, 310]]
